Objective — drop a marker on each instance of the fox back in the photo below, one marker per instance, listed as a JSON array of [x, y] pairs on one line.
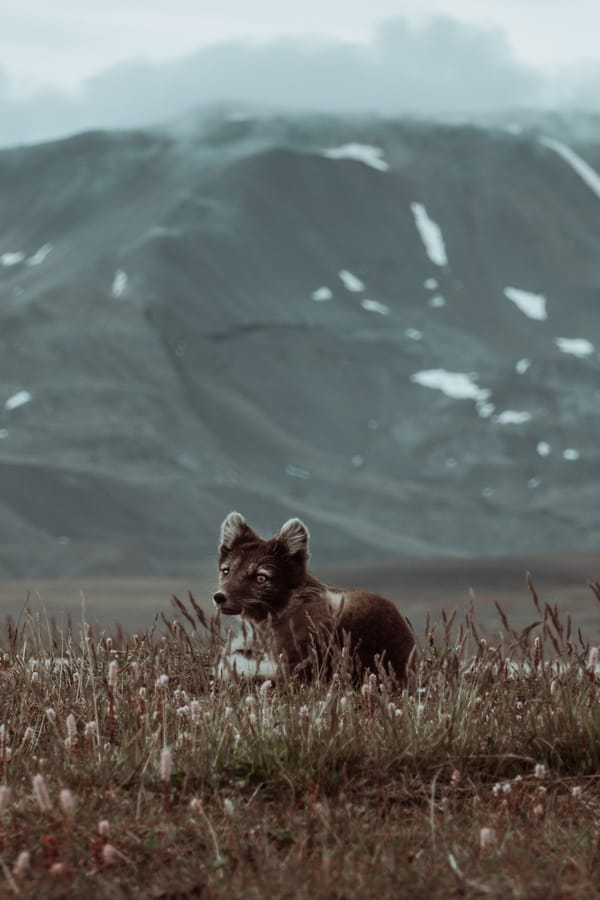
[[290, 612]]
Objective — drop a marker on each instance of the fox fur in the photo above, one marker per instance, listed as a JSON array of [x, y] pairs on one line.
[[290, 618]]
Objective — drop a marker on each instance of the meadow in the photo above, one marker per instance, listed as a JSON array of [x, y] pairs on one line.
[[127, 771]]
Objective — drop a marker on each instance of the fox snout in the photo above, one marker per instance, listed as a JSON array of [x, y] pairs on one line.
[[227, 605]]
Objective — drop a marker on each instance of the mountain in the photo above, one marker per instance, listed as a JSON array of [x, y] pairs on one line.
[[389, 328]]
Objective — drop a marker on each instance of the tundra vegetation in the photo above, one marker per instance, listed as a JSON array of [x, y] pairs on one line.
[[126, 771]]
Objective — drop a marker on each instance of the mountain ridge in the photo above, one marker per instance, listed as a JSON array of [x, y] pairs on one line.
[[224, 316]]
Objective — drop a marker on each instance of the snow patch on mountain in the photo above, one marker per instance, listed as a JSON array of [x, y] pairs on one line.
[[457, 385], [37, 258], [431, 235], [119, 285], [513, 417], [532, 305], [322, 294], [18, 399], [12, 258], [351, 282], [579, 165], [376, 307], [575, 346], [364, 153]]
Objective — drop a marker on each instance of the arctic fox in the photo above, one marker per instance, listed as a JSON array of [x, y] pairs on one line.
[[290, 618]]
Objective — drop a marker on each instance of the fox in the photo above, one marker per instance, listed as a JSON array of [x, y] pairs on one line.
[[289, 616]]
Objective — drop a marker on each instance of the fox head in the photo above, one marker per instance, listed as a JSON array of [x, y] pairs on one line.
[[257, 577]]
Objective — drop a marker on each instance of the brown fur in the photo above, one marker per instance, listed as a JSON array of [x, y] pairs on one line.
[[291, 612]]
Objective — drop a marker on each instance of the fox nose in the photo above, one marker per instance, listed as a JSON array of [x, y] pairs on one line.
[[219, 598]]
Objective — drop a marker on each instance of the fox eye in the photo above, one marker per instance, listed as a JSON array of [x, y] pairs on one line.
[[260, 578], [224, 570]]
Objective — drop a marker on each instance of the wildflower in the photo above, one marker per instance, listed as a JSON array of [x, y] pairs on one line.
[[538, 810], [576, 791], [41, 793], [250, 700], [506, 788], [162, 681], [540, 771], [51, 714], [104, 828], [142, 693], [594, 658], [66, 801], [265, 687], [228, 807], [109, 855], [166, 764], [195, 805], [455, 778], [496, 789], [4, 799], [194, 708], [35, 677], [487, 838], [90, 728], [22, 864], [113, 671]]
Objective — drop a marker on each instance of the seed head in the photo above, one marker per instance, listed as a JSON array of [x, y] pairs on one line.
[[166, 764], [113, 671], [4, 799], [66, 801], [487, 838], [71, 727], [58, 869], [41, 793], [109, 855], [22, 864]]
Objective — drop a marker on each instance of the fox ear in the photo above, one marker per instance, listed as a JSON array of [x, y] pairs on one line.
[[294, 536], [232, 528]]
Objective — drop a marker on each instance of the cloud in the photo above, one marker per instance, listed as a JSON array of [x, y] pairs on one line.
[[442, 67]]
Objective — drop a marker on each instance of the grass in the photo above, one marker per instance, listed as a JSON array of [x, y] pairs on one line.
[[127, 772]]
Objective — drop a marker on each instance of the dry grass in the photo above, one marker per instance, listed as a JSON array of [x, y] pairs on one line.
[[155, 782]]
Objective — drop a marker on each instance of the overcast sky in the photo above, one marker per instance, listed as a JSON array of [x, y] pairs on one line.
[[74, 64]]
